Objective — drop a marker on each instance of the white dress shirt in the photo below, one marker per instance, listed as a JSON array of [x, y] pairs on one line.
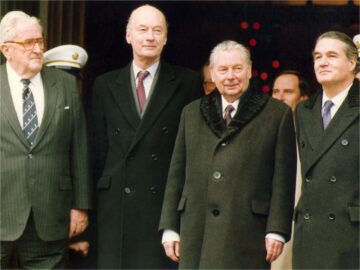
[[16, 90], [337, 100], [148, 79]]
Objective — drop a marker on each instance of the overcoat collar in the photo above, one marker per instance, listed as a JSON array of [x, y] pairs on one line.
[[320, 140], [166, 86], [8, 109], [250, 105]]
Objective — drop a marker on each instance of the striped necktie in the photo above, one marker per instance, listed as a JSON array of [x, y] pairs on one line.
[[140, 90], [227, 115], [30, 120], [327, 113]]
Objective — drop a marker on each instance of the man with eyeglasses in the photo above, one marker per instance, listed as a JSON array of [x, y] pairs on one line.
[[45, 187]]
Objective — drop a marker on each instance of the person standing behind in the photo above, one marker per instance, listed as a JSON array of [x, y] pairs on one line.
[[45, 181], [208, 84], [134, 135], [326, 234], [226, 193], [290, 87]]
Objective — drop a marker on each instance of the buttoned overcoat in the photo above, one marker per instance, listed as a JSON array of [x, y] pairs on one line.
[[326, 234], [228, 187], [132, 158]]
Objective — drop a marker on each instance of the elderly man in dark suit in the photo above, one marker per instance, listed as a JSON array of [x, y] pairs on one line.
[[326, 234], [136, 112], [232, 174], [45, 187]]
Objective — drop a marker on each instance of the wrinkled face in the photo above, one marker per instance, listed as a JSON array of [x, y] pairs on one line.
[[147, 34], [331, 64], [27, 63], [286, 88], [231, 74]]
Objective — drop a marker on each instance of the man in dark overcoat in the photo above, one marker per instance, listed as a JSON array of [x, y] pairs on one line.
[[134, 138], [229, 198], [326, 234]]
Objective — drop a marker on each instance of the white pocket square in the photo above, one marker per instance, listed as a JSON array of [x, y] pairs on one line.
[[66, 107]]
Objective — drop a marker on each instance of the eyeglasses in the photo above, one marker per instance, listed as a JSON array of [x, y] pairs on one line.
[[29, 44]]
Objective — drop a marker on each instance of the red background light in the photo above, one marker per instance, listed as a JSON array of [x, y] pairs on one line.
[[244, 25], [275, 64], [265, 89], [264, 76], [252, 42], [256, 26]]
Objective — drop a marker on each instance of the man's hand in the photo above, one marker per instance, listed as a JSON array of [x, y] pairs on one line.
[[172, 250], [274, 248], [80, 247], [78, 222]]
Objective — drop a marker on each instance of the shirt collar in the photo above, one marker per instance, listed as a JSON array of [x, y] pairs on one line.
[[14, 77], [152, 69], [225, 103], [338, 99]]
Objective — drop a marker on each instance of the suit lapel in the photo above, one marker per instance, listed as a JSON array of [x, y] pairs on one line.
[[345, 116], [123, 96], [7, 107], [51, 92], [164, 89]]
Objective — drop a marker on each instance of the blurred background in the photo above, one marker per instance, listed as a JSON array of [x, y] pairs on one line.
[[280, 34]]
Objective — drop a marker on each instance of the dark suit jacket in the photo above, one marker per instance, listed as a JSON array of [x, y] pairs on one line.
[[228, 187], [326, 234], [52, 176], [132, 157]]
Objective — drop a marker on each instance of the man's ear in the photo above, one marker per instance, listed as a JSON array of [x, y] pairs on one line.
[[128, 37]]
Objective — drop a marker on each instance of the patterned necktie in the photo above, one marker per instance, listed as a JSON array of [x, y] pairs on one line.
[[327, 113], [30, 120], [140, 88], [227, 116]]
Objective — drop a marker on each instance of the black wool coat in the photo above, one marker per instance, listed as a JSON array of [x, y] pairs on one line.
[[326, 234], [132, 158], [228, 187]]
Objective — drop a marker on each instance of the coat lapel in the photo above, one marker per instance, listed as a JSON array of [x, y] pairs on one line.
[[7, 107], [51, 92], [251, 103], [123, 96], [165, 88], [345, 116]]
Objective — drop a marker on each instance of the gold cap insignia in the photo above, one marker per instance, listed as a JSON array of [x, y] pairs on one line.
[[75, 56]]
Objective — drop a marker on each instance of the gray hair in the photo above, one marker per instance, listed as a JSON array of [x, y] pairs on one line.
[[351, 50], [229, 45], [11, 21], [133, 13]]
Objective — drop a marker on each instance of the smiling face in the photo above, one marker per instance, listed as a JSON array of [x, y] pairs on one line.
[[231, 74], [26, 63], [332, 66], [147, 34]]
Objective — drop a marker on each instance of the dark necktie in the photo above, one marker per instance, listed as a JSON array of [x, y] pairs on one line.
[[227, 116], [327, 113], [30, 120], [140, 88]]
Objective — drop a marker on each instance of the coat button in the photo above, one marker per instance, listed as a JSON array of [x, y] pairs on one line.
[[217, 175], [302, 144], [215, 212], [344, 142], [153, 190], [127, 190], [306, 216], [154, 157], [307, 180], [165, 130], [332, 217], [117, 131], [30, 156], [225, 143], [333, 179]]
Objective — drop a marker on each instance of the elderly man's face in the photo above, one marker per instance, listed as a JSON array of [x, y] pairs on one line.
[[147, 34], [27, 63], [331, 64], [231, 74], [286, 88]]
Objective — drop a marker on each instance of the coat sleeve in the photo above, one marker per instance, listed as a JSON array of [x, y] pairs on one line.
[[283, 184], [80, 165], [170, 216]]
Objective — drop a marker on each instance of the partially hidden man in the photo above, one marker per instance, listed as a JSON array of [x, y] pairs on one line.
[[136, 113], [45, 185], [230, 192]]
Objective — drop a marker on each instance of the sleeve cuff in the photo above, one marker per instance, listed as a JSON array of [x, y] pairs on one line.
[[275, 236], [170, 236]]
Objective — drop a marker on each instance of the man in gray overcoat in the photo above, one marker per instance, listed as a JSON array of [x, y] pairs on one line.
[[230, 192], [326, 234]]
